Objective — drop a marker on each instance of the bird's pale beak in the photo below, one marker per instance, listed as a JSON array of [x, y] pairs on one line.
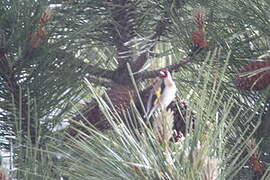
[[162, 73]]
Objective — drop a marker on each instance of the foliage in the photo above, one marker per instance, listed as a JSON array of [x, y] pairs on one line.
[[212, 149], [45, 53]]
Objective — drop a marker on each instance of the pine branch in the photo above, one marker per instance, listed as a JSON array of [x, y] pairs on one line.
[[144, 57], [195, 50], [85, 67], [8, 75], [159, 31], [11, 85], [155, 73]]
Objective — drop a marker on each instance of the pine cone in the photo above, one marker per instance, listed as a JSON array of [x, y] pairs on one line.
[[256, 81], [120, 96], [198, 38], [182, 118], [199, 18]]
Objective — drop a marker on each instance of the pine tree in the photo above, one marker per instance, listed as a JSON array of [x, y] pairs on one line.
[[48, 48]]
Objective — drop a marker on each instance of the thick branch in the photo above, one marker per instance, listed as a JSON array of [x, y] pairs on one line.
[[155, 73], [195, 50], [123, 28]]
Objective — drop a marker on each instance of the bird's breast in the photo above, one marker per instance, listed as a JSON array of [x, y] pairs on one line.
[[168, 96]]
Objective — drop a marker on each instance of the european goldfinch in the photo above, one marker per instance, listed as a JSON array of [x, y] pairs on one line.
[[162, 93]]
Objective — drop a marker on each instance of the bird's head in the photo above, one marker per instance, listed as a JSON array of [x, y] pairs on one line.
[[164, 73]]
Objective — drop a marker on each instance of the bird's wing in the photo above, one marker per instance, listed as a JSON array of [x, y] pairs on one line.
[[155, 94]]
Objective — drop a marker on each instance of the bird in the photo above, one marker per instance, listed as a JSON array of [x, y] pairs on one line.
[[162, 93]]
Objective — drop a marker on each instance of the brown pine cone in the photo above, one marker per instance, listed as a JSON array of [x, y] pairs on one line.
[[256, 81]]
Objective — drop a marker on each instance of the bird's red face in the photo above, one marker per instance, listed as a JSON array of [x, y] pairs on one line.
[[163, 73]]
